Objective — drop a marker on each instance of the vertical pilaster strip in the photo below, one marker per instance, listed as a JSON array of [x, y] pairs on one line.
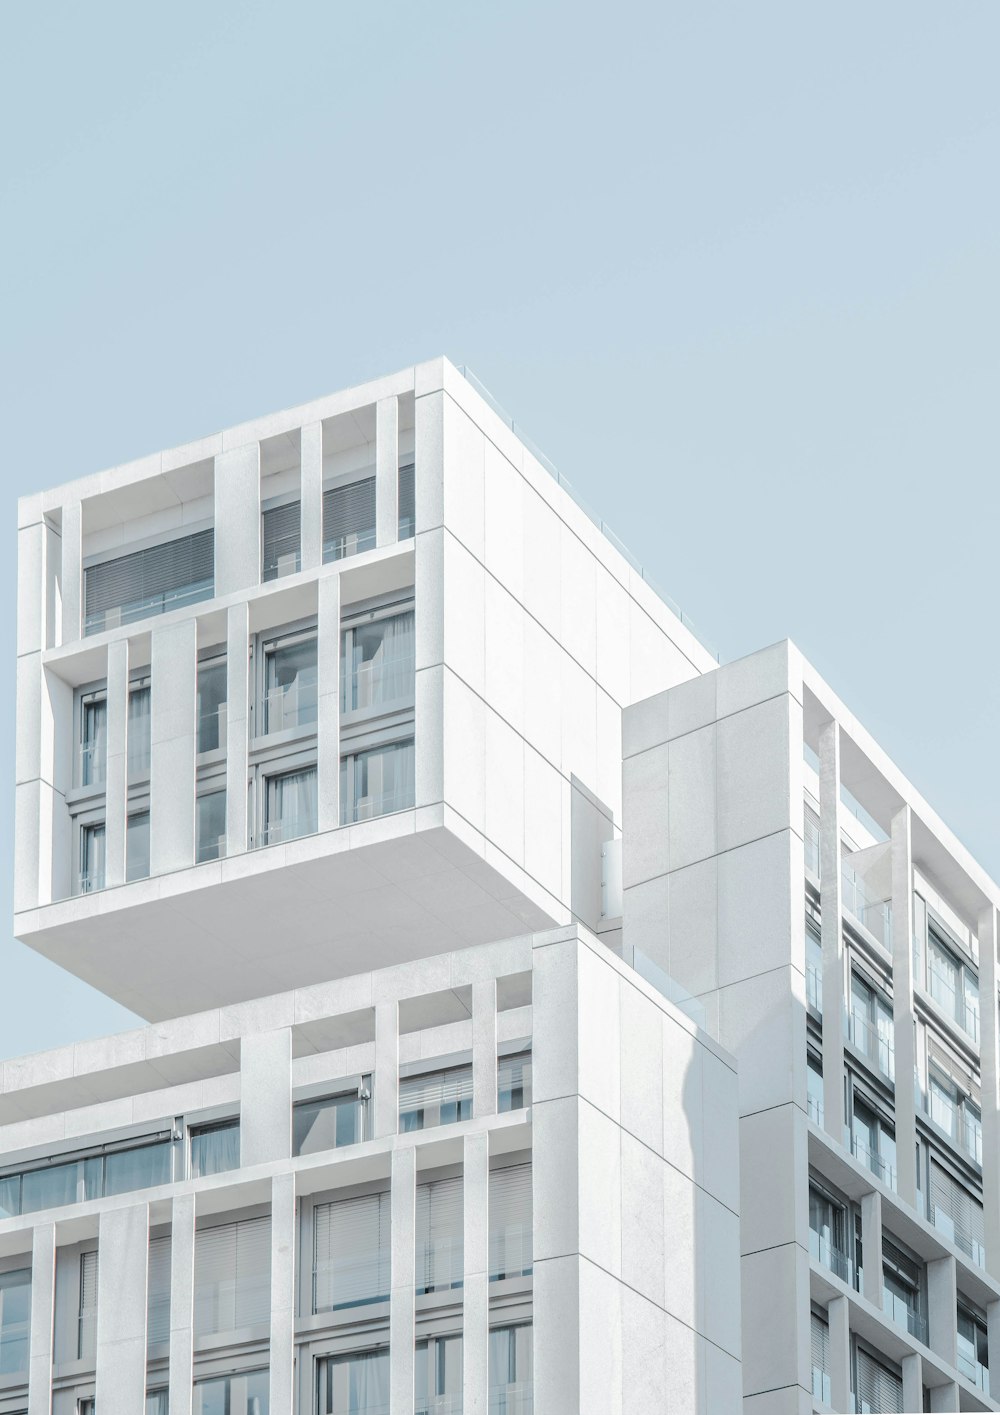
[[71, 579], [174, 697], [116, 786], [282, 1350], [387, 471], [401, 1315], [871, 1244], [913, 1382], [182, 1237], [476, 1291], [311, 493], [942, 1305], [838, 1316], [832, 931], [990, 1074], [386, 1078], [902, 1005], [237, 726], [237, 519], [43, 1296], [484, 1047], [328, 724], [266, 1096], [123, 1262], [993, 1341]]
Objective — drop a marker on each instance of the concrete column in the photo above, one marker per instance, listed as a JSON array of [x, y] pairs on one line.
[[123, 1247], [913, 1382], [386, 1075], [311, 483], [266, 1097], [832, 931], [43, 1296], [328, 712], [990, 1074], [945, 1397], [942, 1309], [116, 800], [237, 726], [902, 1006], [173, 736], [71, 579], [181, 1304], [476, 1292], [387, 471], [282, 1346], [993, 1341], [838, 1316], [484, 1047], [32, 605], [871, 1245], [237, 519], [401, 1317]]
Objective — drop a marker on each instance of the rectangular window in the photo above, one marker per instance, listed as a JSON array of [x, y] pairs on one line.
[[232, 1276], [327, 1123], [510, 1369], [215, 1148], [76, 1179], [93, 739], [212, 692], [953, 985], [92, 857], [210, 826], [811, 841], [158, 1292], [874, 1142], [349, 519], [820, 1334], [514, 1082], [137, 739], [137, 846], [377, 782], [871, 1026], [407, 507], [281, 534], [958, 1214], [439, 1235], [814, 969], [814, 1090], [510, 1222], [973, 1348], [245, 1394], [151, 581], [876, 1388], [86, 1340], [158, 1401], [902, 1290], [435, 1098], [290, 685], [15, 1318], [357, 1384], [351, 1252], [828, 1235], [291, 808], [438, 1376], [377, 663]]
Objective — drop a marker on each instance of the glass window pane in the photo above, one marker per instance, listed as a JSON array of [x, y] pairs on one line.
[[92, 858], [382, 782], [137, 847], [93, 747], [51, 1187], [212, 690], [291, 806], [211, 826], [380, 670], [140, 1168], [15, 1313], [137, 737], [291, 686], [326, 1124], [215, 1149], [355, 1385]]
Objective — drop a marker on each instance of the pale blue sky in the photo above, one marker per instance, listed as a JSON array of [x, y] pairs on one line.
[[733, 267]]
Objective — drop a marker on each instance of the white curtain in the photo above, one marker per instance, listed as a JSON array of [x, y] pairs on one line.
[[292, 805], [394, 661], [137, 740], [368, 1386]]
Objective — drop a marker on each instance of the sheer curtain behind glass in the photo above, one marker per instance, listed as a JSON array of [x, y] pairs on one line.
[[357, 1385], [291, 805], [137, 739], [93, 751]]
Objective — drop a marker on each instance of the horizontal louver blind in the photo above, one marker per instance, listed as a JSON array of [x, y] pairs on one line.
[[87, 1345], [435, 1088], [439, 1234], [281, 527], [407, 501], [513, 1070], [351, 1252], [349, 516], [510, 1221], [878, 1388], [957, 1213], [145, 574], [232, 1276], [158, 1300]]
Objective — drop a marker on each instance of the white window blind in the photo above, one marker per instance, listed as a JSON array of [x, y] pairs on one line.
[[351, 1252], [87, 1338], [820, 1334], [281, 532], [407, 502], [349, 519], [232, 1276], [878, 1389], [510, 1221], [149, 581], [957, 1214], [158, 1291], [439, 1235]]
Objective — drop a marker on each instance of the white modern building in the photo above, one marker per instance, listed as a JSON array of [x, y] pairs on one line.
[[319, 769]]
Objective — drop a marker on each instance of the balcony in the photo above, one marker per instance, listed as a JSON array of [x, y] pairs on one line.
[[873, 1043], [875, 915], [904, 1314], [832, 1258], [953, 1002], [814, 988], [290, 706], [870, 1158], [149, 582]]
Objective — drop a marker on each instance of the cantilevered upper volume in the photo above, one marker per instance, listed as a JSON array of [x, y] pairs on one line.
[[329, 691]]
